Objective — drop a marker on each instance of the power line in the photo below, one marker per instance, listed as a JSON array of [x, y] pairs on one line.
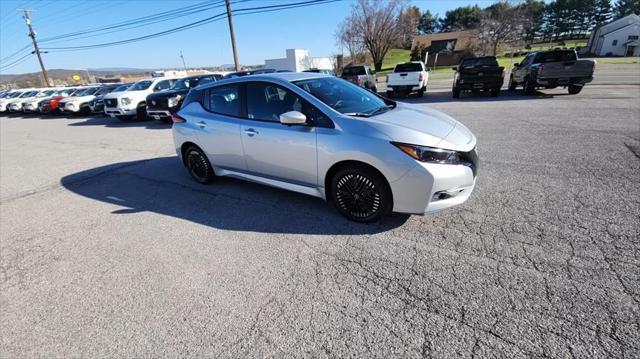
[[18, 52], [141, 20], [15, 63], [217, 17]]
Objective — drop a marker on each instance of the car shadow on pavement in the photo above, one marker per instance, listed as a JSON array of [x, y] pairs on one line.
[[162, 186], [505, 95], [114, 122]]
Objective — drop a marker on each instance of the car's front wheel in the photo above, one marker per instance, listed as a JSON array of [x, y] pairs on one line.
[[198, 165], [361, 194]]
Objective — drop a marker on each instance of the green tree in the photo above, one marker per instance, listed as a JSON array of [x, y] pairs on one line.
[[627, 7], [602, 14], [428, 23], [461, 18]]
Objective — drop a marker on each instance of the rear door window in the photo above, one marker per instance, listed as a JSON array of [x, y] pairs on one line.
[[224, 100], [408, 67]]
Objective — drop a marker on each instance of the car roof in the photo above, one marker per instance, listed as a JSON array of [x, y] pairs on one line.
[[274, 77]]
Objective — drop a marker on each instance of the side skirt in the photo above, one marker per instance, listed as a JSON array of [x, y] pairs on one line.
[[304, 189]]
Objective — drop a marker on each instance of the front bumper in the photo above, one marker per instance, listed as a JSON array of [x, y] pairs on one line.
[[13, 107], [119, 111], [432, 187], [30, 107], [159, 114], [72, 107]]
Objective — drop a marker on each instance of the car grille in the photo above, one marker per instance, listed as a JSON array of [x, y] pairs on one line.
[[472, 160], [112, 102], [158, 103]]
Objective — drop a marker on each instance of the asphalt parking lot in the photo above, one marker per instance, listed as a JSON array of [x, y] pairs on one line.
[[108, 248]]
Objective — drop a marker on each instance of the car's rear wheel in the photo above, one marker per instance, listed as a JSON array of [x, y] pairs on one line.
[[390, 94], [421, 92], [575, 89], [361, 194], [494, 92], [198, 165], [512, 84], [528, 86]]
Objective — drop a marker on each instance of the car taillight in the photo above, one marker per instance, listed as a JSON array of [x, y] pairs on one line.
[[420, 77], [359, 80], [540, 69], [177, 119]]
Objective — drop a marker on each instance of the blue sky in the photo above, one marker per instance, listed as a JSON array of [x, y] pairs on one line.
[[258, 36]]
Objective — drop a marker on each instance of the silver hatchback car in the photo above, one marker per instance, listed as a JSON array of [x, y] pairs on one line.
[[323, 136]]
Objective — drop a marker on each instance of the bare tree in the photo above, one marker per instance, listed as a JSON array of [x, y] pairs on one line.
[[374, 24], [348, 38], [502, 23], [408, 23]]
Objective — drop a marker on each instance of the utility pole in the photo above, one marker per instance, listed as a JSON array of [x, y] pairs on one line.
[[32, 35], [183, 63], [233, 36]]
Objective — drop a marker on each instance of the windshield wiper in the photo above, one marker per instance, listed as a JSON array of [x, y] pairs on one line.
[[380, 110], [357, 114]]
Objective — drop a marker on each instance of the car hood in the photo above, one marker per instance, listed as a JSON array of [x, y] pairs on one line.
[[167, 94], [128, 93], [423, 126], [78, 98]]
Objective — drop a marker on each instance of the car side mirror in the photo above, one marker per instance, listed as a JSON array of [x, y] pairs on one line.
[[293, 118], [517, 64]]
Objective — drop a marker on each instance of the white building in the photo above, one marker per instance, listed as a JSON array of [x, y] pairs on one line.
[[617, 38], [298, 60]]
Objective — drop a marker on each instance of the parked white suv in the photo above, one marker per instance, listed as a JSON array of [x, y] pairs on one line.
[[130, 103], [407, 78]]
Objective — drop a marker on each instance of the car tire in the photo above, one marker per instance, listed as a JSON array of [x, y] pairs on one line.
[[528, 86], [390, 94], [494, 92], [361, 194], [198, 165], [421, 92], [575, 89], [512, 84], [456, 92], [141, 112], [374, 88]]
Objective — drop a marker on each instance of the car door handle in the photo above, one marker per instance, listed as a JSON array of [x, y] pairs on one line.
[[201, 124], [251, 132]]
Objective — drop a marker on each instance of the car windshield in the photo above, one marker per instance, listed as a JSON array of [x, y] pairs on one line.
[[121, 88], [408, 67], [90, 91], [343, 96], [186, 83], [15, 94], [352, 71], [48, 93], [479, 62], [28, 94], [142, 85]]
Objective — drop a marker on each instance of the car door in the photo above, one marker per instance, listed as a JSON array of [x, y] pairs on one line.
[[218, 127], [274, 150], [522, 70]]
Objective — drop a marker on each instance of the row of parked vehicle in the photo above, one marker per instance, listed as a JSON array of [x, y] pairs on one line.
[[476, 75]]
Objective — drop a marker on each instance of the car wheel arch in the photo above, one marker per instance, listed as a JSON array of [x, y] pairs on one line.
[[345, 164], [183, 150]]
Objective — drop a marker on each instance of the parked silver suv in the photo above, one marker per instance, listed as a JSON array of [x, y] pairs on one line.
[[323, 136]]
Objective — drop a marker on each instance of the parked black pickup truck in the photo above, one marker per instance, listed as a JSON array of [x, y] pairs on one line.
[[162, 105], [550, 69], [478, 74]]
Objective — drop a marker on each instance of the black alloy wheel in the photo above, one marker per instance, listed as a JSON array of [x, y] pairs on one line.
[[198, 165], [361, 195], [528, 86]]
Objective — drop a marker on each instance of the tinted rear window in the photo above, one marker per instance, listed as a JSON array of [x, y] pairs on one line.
[[555, 56], [408, 67], [224, 100], [479, 62], [352, 71]]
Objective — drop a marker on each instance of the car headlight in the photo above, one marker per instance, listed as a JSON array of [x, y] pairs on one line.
[[173, 101], [429, 154], [125, 100]]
